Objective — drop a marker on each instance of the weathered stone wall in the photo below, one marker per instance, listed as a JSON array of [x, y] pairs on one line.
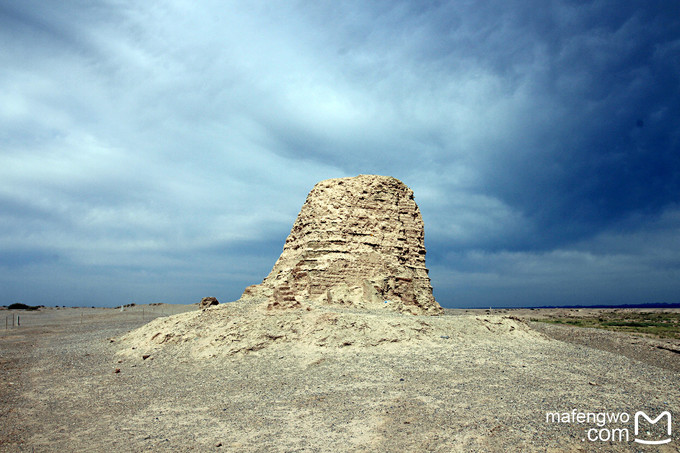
[[357, 241]]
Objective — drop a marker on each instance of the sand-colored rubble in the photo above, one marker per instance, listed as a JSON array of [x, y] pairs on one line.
[[246, 326]]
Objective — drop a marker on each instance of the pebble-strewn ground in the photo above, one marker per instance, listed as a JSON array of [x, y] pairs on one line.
[[60, 392]]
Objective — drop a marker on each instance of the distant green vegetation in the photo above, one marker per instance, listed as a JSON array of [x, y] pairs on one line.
[[660, 324]]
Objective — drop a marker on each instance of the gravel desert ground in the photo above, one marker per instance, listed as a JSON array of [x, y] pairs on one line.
[[70, 380]]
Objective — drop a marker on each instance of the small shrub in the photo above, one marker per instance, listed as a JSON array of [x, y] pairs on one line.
[[19, 306]]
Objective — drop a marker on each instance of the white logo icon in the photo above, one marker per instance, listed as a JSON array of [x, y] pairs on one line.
[[653, 422]]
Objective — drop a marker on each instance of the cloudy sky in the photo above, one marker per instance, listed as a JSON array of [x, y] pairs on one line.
[[160, 151]]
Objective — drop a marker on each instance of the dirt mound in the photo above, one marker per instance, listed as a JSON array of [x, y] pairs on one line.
[[246, 326]]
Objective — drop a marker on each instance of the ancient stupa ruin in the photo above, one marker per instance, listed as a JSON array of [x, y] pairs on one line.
[[357, 242], [351, 268]]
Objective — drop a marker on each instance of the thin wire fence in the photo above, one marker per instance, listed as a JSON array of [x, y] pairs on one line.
[[78, 315]]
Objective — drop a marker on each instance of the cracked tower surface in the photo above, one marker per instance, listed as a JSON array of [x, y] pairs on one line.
[[357, 242]]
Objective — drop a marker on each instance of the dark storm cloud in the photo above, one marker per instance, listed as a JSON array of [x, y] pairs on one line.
[[161, 150], [610, 148]]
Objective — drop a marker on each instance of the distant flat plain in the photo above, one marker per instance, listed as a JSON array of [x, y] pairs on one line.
[[65, 387]]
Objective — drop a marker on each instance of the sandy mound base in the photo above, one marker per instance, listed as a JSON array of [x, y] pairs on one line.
[[247, 326]]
